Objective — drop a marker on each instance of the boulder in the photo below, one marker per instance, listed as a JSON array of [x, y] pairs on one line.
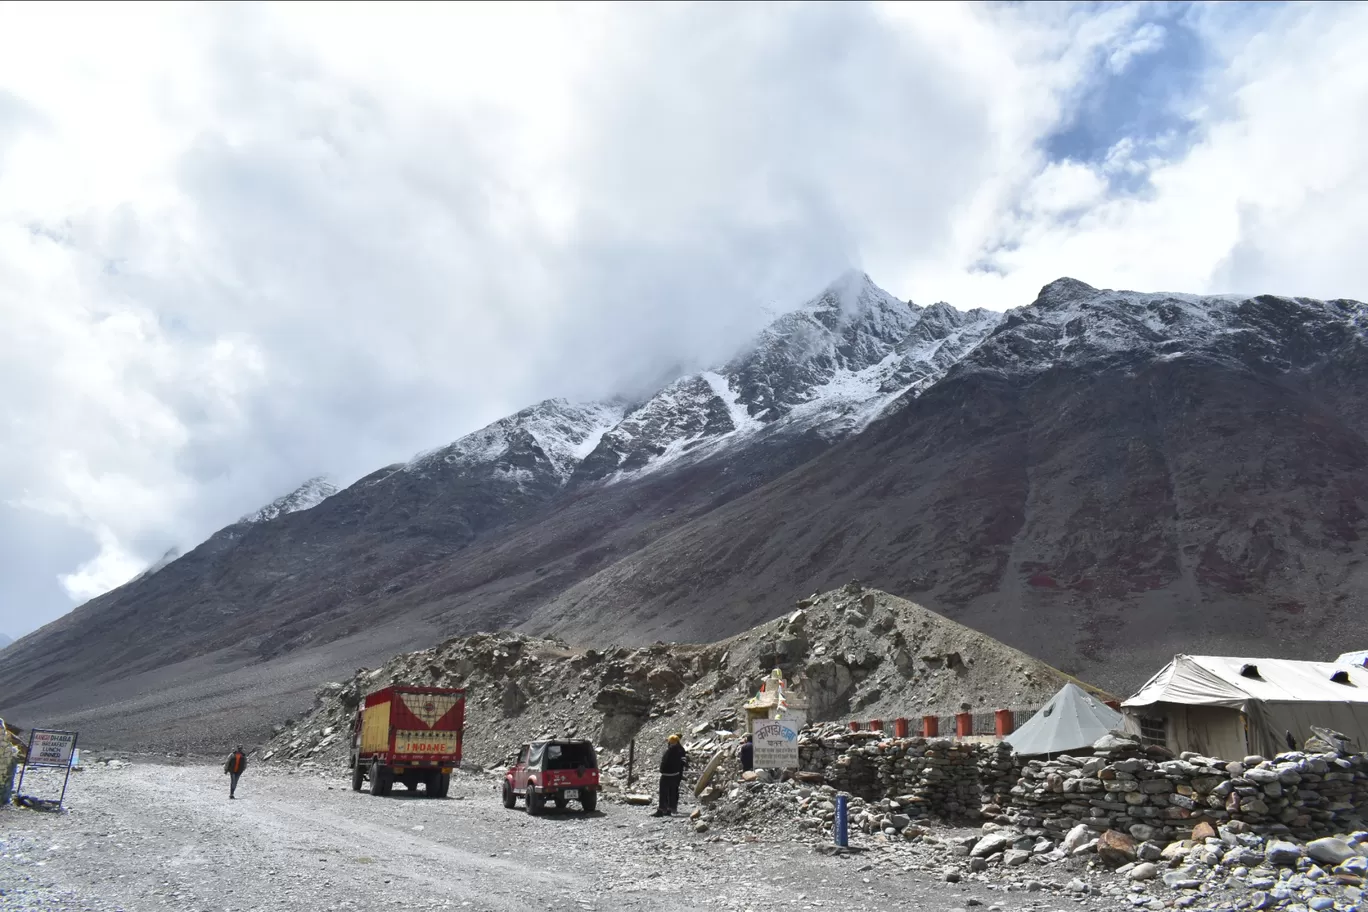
[[1282, 853], [1116, 848], [1145, 870], [990, 845], [1078, 836], [1203, 831], [1330, 851]]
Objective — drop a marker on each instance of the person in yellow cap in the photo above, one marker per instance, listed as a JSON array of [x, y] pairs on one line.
[[672, 764]]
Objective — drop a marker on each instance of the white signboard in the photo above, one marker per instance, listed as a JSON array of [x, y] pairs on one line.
[[51, 748], [775, 742]]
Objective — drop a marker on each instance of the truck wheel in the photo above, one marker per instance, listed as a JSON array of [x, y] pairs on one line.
[[358, 774], [379, 782], [439, 785], [535, 803], [589, 801], [510, 800]]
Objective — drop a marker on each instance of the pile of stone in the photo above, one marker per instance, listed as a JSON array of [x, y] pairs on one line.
[[1152, 796]]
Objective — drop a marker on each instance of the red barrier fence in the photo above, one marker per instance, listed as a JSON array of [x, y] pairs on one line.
[[998, 723]]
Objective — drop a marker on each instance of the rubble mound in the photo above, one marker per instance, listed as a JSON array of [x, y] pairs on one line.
[[851, 653]]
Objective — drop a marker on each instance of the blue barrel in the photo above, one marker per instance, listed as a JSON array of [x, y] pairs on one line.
[[842, 834]]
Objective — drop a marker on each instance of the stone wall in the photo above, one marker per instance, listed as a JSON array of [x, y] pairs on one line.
[[928, 777], [1145, 792], [1155, 797]]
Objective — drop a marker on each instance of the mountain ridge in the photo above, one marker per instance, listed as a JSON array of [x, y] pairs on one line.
[[1094, 478]]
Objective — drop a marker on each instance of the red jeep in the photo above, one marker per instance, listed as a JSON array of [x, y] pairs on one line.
[[559, 770]]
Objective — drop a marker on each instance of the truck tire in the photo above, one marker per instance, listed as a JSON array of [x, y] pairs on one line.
[[510, 800], [439, 785], [379, 781], [535, 803], [358, 775], [589, 801]]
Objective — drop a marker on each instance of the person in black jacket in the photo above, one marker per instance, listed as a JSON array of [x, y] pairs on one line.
[[237, 762], [672, 764], [747, 754]]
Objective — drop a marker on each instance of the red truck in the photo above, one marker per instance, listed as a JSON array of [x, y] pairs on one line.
[[410, 735]]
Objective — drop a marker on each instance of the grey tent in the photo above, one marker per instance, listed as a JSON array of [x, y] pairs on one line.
[[1072, 720]]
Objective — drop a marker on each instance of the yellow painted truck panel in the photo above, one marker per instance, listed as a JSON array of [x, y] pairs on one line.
[[375, 728]]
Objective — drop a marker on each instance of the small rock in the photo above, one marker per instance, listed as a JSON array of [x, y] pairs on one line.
[[1145, 870]]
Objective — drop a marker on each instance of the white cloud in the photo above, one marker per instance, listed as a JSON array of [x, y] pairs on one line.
[[241, 245]]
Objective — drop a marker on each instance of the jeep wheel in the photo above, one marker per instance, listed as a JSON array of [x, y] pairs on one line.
[[589, 801], [535, 803], [560, 803], [510, 800], [358, 775]]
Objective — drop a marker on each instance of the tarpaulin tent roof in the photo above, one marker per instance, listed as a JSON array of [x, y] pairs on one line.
[[1073, 719], [1353, 658], [1233, 682], [1274, 695]]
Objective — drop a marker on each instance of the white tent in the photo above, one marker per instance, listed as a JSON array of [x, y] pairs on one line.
[[1072, 720], [1353, 658], [1229, 707]]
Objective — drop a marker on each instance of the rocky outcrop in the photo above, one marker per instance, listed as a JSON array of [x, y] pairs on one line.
[[519, 687]]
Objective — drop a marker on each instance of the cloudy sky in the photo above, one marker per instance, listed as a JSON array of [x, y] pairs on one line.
[[243, 245]]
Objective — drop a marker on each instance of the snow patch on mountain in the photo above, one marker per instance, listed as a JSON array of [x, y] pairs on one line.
[[308, 495], [564, 432], [742, 421]]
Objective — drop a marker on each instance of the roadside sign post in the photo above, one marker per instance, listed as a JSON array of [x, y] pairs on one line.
[[51, 749], [775, 744], [842, 810]]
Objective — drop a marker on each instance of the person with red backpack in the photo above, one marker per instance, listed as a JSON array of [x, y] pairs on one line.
[[237, 762]]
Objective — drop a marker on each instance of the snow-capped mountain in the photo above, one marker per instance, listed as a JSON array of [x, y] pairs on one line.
[[1073, 323], [305, 497], [832, 365], [549, 438], [1100, 477]]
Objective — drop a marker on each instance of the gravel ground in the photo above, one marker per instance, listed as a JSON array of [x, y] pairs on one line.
[[153, 836]]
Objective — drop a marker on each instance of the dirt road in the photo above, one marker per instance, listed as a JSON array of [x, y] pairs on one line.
[[158, 837]]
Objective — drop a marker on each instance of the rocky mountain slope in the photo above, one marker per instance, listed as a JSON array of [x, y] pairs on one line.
[[1100, 479], [852, 651]]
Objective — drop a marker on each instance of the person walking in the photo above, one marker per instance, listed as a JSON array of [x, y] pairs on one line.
[[672, 764], [747, 754], [237, 762]]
